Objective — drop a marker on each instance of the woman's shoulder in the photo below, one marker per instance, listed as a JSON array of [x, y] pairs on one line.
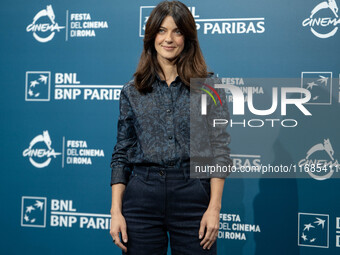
[[129, 87], [129, 84], [213, 78]]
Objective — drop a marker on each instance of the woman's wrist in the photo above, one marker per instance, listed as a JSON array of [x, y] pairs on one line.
[[215, 207], [115, 211]]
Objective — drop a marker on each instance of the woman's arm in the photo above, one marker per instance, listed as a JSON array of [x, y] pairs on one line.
[[219, 142], [120, 165], [117, 197], [126, 138], [211, 218], [118, 224], [216, 185]]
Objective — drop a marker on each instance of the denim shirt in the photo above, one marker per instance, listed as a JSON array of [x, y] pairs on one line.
[[154, 129]]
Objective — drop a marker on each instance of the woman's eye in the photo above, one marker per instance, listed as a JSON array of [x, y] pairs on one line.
[[161, 30], [178, 32]]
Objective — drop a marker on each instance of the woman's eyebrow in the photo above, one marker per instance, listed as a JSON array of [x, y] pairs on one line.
[[166, 28]]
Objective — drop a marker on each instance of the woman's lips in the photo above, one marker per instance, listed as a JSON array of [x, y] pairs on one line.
[[168, 48]]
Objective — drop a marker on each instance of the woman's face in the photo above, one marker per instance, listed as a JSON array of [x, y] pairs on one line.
[[169, 41]]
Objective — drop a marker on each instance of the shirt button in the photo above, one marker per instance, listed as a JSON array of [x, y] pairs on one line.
[[170, 137], [168, 110], [161, 173]]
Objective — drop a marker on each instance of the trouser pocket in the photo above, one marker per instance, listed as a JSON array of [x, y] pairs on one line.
[[129, 185], [204, 185]]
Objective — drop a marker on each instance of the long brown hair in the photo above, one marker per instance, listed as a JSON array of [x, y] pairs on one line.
[[190, 63]]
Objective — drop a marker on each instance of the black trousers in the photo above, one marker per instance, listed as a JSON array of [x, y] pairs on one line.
[[160, 200]]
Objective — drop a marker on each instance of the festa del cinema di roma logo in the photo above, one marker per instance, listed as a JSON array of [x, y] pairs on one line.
[[40, 147], [75, 152], [40, 29], [326, 26], [327, 162]]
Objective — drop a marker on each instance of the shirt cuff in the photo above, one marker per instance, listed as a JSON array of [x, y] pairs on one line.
[[119, 174]]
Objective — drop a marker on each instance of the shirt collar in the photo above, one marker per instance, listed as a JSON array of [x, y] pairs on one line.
[[177, 79]]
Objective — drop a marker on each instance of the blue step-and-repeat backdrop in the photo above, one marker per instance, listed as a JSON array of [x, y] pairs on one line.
[[63, 64]]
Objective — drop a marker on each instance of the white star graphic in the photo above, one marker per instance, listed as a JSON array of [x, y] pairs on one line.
[[29, 209], [308, 226]]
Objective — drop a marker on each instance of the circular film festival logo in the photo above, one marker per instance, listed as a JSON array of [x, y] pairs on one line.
[[319, 19], [40, 147], [320, 161], [44, 28]]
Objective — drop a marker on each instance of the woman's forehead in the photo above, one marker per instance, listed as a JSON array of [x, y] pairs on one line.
[[168, 22]]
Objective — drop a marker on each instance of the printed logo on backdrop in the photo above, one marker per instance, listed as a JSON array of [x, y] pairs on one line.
[[249, 25], [38, 86], [323, 20], [320, 86], [82, 25], [61, 214], [313, 230], [77, 24], [33, 212], [74, 152], [232, 227], [243, 161], [40, 152], [247, 89], [319, 162], [66, 87], [44, 25], [144, 13], [337, 231]]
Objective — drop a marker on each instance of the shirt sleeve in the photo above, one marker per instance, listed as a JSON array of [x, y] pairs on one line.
[[218, 135], [126, 138]]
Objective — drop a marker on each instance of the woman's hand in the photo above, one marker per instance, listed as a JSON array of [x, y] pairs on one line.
[[211, 218], [118, 225], [210, 222]]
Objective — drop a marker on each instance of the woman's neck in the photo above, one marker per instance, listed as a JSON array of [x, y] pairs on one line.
[[170, 71]]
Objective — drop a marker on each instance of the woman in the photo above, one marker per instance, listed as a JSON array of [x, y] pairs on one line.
[[152, 194]]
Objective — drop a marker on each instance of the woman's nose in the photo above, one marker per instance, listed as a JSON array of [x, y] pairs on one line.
[[168, 38]]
